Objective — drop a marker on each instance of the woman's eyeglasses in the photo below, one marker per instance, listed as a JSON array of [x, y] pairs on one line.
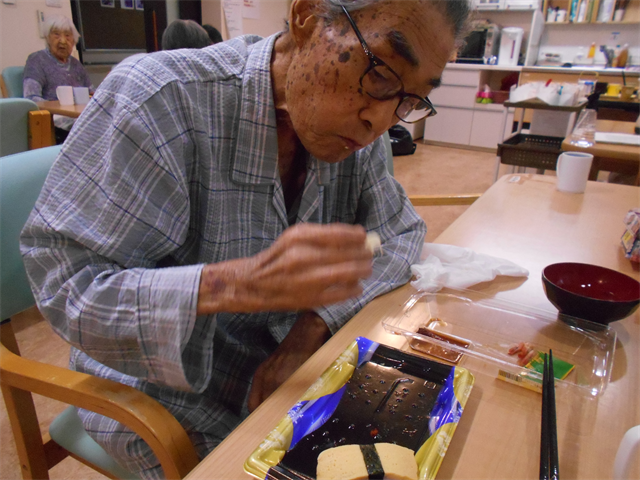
[[379, 81]]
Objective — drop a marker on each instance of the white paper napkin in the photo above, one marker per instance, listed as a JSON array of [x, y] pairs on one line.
[[457, 267]]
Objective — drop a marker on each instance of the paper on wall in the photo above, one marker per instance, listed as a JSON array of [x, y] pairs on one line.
[[251, 9], [233, 16]]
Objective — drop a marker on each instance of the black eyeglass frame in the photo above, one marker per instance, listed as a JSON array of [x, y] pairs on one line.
[[374, 62]]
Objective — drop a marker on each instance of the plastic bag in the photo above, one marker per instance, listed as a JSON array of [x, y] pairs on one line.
[[525, 92], [551, 93], [560, 94]]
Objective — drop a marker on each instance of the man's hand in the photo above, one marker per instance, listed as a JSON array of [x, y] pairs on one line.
[[306, 336], [309, 265]]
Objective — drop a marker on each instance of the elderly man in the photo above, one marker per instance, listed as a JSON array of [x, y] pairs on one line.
[[202, 232], [54, 66]]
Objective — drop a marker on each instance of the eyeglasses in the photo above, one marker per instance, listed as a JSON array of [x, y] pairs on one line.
[[379, 81]]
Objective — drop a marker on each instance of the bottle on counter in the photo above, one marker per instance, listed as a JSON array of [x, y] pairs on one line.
[[591, 56], [584, 132], [616, 54], [623, 56]]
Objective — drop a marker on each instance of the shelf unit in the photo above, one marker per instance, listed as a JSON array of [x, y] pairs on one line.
[[631, 15]]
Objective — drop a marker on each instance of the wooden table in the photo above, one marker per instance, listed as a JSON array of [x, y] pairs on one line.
[[611, 157], [525, 219], [55, 108]]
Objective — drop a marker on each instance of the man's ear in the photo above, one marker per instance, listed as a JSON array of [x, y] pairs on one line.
[[303, 20]]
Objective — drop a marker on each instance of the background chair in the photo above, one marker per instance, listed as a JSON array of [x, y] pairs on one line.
[[23, 126], [21, 178], [12, 82]]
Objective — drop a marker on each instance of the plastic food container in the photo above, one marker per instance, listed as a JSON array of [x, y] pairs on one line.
[[468, 329], [371, 394]]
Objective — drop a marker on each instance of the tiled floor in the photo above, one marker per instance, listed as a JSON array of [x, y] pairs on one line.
[[431, 170]]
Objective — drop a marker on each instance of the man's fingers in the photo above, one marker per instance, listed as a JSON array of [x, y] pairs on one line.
[[335, 235]]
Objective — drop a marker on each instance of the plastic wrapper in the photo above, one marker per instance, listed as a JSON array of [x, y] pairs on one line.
[[483, 335]]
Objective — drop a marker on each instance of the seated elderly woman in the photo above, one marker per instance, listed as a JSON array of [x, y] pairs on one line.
[[185, 34], [54, 66]]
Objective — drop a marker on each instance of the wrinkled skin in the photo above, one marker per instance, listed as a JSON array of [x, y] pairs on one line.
[[60, 44], [321, 110]]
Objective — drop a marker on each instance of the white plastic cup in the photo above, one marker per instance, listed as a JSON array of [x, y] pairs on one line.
[[81, 95], [561, 15], [572, 171], [65, 95]]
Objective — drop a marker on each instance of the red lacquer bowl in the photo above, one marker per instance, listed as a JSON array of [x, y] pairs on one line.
[[591, 292]]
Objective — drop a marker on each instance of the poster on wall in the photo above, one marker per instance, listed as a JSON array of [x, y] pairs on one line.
[[108, 3], [126, 4], [233, 17], [139, 5], [251, 9]]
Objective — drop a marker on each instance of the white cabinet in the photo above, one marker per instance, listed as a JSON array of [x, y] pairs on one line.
[[450, 125], [454, 96], [485, 129], [460, 120], [464, 78]]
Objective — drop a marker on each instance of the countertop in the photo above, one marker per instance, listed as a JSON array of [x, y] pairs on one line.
[[629, 72]]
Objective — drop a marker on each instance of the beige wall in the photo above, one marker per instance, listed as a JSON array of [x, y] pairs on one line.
[[19, 29], [273, 13]]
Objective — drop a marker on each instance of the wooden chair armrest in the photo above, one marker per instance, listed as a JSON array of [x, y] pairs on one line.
[[40, 129], [3, 88], [125, 404], [431, 200]]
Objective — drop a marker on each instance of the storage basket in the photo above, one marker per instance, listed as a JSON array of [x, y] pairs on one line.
[[534, 151]]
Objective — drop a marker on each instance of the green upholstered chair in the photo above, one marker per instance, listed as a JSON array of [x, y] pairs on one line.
[[21, 178], [12, 78], [14, 125]]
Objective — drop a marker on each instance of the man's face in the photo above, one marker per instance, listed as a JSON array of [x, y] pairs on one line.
[[330, 113], [60, 44]]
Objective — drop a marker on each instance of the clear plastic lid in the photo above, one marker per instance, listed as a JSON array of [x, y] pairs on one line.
[[505, 340]]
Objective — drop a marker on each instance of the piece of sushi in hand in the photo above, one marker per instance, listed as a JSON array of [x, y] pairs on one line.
[[362, 462], [373, 242]]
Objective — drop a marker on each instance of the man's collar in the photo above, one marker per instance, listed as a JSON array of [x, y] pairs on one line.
[[256, 156]]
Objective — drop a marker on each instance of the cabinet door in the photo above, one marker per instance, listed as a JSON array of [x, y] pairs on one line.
[[486, 129], [454, 96], [465, 78], [451, 125]]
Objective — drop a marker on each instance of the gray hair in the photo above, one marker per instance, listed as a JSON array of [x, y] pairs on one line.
[[456, 11], [59, 22], [185, 34]]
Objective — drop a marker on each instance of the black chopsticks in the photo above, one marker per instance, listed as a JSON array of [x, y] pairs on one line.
[[548, 432]]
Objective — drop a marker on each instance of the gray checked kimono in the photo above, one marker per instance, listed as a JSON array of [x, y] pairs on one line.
[[172, 165]]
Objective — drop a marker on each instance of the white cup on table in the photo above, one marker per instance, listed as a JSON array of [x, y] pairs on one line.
[[65, 95], [81, 95], [572, 171]]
